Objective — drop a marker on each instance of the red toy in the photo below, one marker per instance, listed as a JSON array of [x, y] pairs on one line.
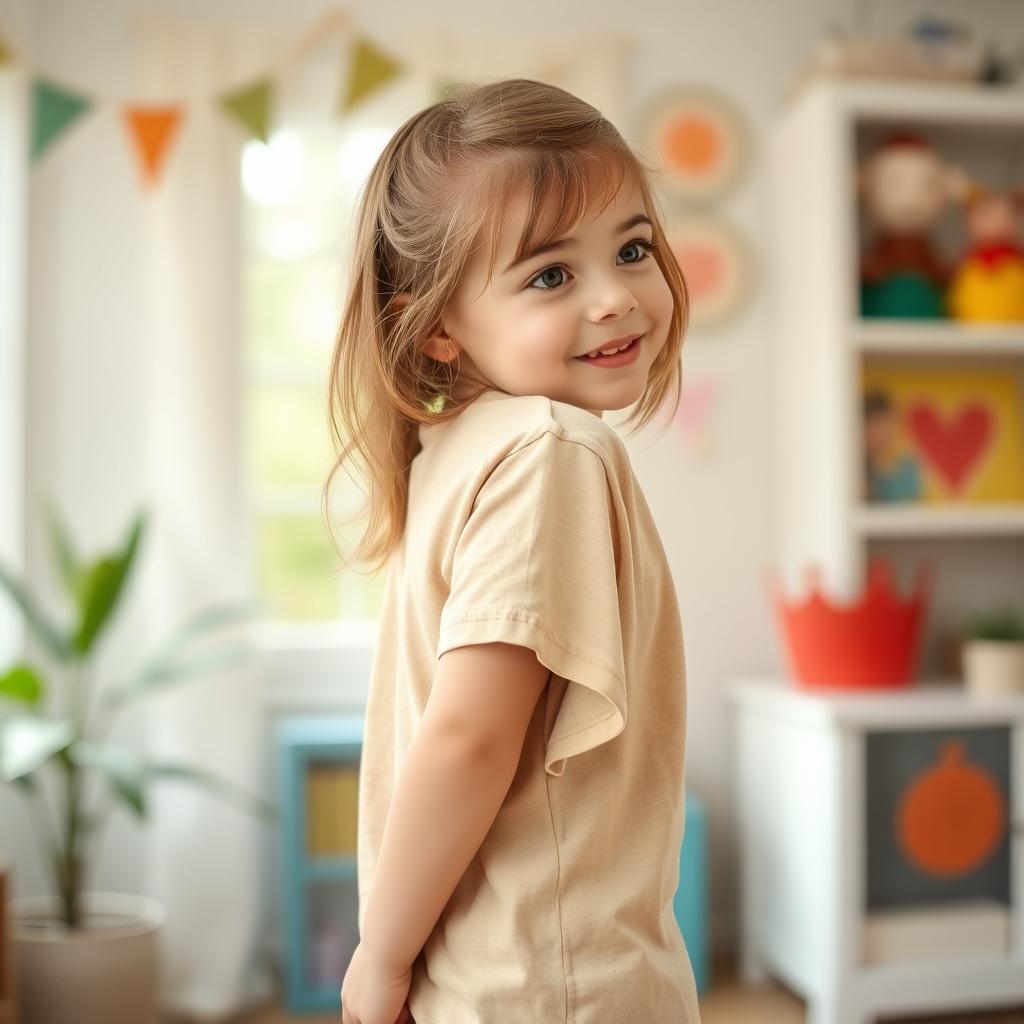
[[872, 643]]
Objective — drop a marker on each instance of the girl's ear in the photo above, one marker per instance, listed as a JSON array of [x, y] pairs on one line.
[[438, 346], [441, 347]]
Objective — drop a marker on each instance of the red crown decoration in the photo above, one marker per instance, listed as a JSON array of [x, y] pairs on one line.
[[873, 642]]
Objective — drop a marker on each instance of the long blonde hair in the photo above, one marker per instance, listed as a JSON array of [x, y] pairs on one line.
[[441, 185]]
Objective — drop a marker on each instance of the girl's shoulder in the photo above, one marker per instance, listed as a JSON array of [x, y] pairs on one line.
[[518, 420]]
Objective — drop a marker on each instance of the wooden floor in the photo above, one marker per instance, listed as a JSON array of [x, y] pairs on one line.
[[725, 1003]]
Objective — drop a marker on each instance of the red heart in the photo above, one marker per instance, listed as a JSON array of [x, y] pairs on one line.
[[955, 447]]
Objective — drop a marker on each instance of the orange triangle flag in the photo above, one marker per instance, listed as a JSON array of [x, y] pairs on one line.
[[152, 129]]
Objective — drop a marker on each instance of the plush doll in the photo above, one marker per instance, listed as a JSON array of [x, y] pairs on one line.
[[989, 282], [905, 186]]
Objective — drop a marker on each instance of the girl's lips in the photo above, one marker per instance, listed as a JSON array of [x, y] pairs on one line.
[[622, 358]]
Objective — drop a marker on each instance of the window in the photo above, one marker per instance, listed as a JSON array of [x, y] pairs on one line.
[[299, 189], [300, 193]]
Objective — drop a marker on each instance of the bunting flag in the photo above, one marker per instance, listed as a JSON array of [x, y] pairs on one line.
[[250, 105], [443, 86], [54, 110], [371, 68], [152, 130]]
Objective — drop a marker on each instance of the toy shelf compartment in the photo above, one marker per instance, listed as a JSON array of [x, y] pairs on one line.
[[318, 770], [999, 512], [977, 129]]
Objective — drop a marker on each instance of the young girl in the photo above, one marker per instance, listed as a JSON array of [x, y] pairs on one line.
[[521, 784]]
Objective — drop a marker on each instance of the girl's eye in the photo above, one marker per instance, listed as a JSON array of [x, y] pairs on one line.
[[646, 246]]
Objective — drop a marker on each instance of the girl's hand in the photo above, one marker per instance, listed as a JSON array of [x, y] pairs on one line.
[[373, 993]]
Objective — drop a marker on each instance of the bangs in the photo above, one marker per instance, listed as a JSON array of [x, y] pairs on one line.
[[562, 187]]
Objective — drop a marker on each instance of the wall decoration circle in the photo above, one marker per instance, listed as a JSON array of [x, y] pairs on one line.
[[699, 137], [715, 262]]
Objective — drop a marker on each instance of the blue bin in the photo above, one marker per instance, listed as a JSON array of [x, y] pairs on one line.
[[691, 899]]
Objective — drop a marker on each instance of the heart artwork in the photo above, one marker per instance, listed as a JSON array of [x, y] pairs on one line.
[[694, 406], [955, 445]]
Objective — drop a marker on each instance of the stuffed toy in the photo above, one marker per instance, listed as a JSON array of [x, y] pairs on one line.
[[988, 284], [906, 186]]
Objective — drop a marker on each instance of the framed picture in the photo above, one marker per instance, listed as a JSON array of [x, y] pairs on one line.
[[942, 435], [698, 136], [715, 262]]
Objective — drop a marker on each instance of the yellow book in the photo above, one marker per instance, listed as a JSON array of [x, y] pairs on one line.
[[315, 837]]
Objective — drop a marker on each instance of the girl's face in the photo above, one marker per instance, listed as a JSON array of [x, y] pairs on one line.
[[525, 331]]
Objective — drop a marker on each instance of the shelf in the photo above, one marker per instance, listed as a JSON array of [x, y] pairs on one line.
[[942, 338], [330, 869], [952, 103], [929, 703], [938, 521]]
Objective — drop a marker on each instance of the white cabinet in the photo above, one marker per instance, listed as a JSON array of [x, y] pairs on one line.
[[809, 864]]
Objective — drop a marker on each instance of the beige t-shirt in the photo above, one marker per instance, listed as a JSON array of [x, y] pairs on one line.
[[526, 525]]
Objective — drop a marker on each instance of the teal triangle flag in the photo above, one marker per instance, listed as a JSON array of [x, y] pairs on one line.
[[54, 109]]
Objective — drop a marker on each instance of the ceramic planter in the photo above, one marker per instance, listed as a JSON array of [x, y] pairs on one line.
[[994, 668], [105, 971]]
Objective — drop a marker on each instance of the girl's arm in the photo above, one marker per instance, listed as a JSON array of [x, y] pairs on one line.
[[457, 771]]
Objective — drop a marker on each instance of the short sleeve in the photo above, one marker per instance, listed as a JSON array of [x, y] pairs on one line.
[[536, 564]]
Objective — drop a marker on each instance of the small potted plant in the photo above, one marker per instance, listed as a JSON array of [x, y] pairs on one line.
[[994, 654], [84, 955]]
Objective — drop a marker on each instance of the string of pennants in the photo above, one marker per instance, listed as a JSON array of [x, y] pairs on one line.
[[153, 127]]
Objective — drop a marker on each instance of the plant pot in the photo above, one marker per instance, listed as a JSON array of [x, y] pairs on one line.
[[105, 972], [994, 668]]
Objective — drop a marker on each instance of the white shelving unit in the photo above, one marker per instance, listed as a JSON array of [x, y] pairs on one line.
[[801, 756], [820, 343]]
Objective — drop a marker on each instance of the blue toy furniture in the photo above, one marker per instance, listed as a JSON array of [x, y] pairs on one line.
[[319, 894], [691, 899]]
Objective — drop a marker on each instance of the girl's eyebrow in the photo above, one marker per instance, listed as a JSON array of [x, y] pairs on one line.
[[558, 243]]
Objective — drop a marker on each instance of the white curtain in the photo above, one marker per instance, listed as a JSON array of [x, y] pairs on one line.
[[204, 853]]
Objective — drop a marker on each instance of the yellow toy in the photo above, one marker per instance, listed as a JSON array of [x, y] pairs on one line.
[[988, 285]]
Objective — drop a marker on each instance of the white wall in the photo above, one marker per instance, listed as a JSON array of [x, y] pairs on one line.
[[84, 377]]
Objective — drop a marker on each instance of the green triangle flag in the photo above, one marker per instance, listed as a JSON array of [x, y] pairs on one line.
[[371, 68], [251, 106], [53, 111], [443, 87]]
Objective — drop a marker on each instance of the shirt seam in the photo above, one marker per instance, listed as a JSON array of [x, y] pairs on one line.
[[559, 431]]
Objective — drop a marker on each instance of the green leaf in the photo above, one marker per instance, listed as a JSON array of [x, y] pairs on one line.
[[101, 587], [129, 774], [211, 618], [51, 636], [125, 771], [26, 782], [64, 552], [158, 676], [27, 741], [242, 797], [22, 683], [166, 665], [998, 624]]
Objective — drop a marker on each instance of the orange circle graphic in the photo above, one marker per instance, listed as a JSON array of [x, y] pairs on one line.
[[951, 817]]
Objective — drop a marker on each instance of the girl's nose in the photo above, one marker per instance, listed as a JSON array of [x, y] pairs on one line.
[[612, 300]]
